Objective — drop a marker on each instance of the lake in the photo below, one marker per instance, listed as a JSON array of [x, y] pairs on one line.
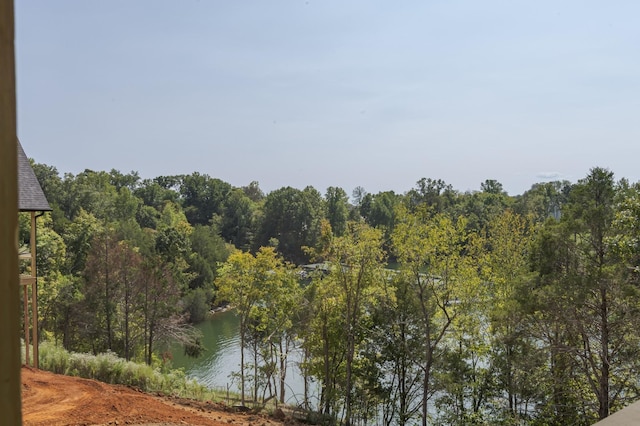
[[221, 358]]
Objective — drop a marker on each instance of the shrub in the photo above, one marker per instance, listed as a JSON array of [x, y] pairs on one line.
[[108, 367]]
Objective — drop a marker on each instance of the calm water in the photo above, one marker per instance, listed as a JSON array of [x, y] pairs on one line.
[[221, 357]]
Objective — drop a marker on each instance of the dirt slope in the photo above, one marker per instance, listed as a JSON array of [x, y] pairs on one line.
[[51, 399]]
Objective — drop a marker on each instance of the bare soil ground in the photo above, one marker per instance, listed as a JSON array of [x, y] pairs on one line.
[[51, 399]]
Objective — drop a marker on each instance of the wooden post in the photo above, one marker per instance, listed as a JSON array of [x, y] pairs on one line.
[[10, 407], [34, 290], [25, 314]]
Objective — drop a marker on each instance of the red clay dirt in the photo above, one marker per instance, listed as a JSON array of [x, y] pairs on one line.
[[52, 399]]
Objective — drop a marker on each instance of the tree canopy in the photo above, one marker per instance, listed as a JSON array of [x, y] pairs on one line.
[[433, 306]]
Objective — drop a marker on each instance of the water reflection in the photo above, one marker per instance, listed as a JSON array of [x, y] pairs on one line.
[[221, 358]]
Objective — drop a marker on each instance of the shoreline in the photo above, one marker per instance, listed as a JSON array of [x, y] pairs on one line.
[[219, 310]]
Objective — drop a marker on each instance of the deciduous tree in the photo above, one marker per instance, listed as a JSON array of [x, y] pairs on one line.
[[443, 278]]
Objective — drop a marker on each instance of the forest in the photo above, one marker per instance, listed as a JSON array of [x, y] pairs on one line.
[[433, 306]]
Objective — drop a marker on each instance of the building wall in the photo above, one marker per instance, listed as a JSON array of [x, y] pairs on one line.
[[9, 296]]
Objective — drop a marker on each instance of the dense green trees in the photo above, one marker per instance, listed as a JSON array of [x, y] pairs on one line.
[[579, 259], [433, 306], [291, 221], [203, 197], [439, 274], [265, 293], [354, 283], [337, 209], [513, 357]]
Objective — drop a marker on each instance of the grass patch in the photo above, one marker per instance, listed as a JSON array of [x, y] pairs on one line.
[[109, 368]]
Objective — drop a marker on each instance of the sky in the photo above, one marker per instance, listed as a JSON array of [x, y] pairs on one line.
[[369, 93]]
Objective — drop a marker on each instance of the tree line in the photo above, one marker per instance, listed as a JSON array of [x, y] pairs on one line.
[[433, 306]]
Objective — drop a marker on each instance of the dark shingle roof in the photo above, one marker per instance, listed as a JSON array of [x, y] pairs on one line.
[[30, 195]]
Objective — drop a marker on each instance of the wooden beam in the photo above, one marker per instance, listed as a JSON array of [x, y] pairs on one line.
[[9, 302], [25, 322], [34, 291], [27, 280]]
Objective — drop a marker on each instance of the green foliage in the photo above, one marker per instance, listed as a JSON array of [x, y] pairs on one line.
[[78, 236], [500, 310], [266, 295], [107, 367], [543, 200], [588, 302], [155, 195], [344, 301], [292, 217], [440, 274], [208, 250], [379, 210], [437, 195], [197, 304], [337, 209], [203, 197], [479, 208], [238, 219]]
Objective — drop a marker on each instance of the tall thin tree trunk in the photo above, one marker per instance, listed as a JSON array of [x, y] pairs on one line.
[[348, 380], [107, 301], [255, 370], [306, 378], [327, 390], [402, 380], [150, 345], [146, 318], [127, 308], [425, 394], [242, 338], [283, 369], [348, 401], [509, 354], [603, 409]]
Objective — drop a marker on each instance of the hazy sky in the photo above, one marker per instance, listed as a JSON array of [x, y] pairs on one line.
[[343, 93]]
